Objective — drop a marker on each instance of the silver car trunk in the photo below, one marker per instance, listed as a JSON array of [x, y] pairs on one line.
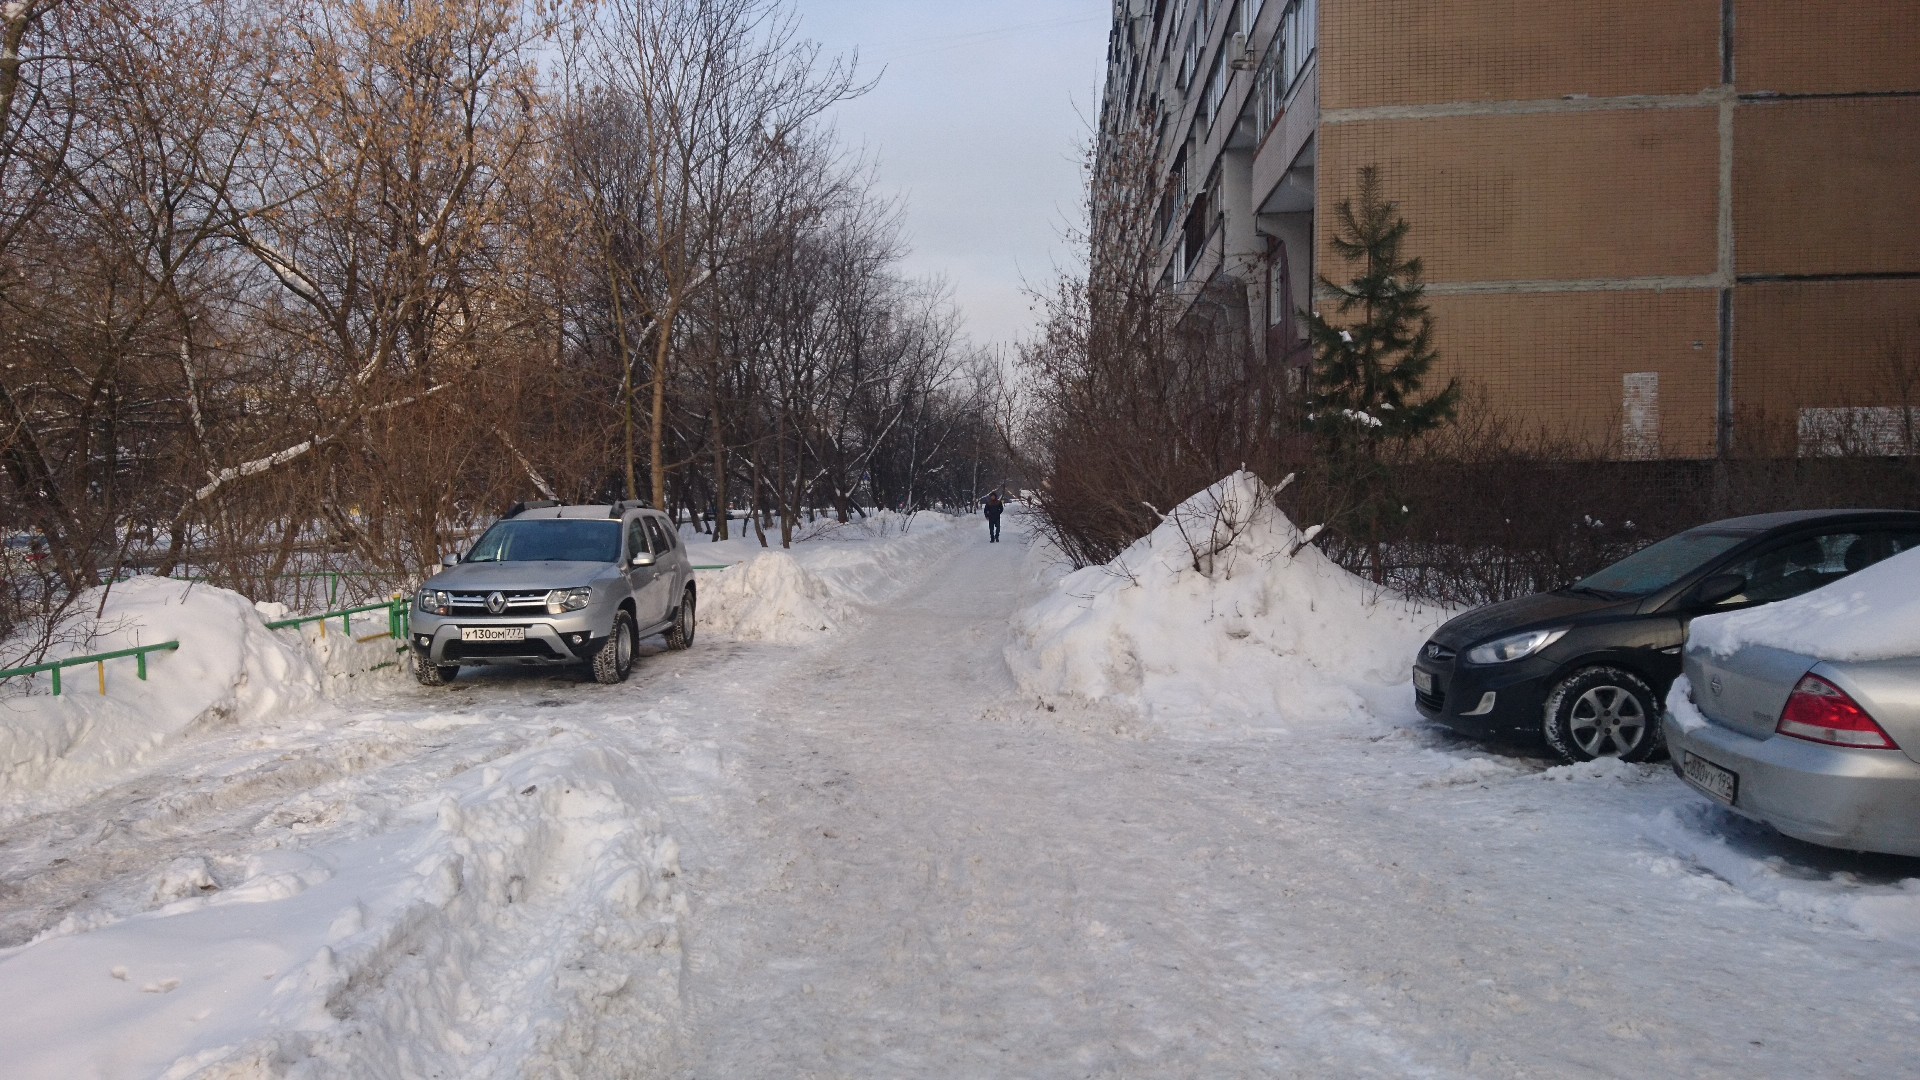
[[1889, 690], [1747, 690]]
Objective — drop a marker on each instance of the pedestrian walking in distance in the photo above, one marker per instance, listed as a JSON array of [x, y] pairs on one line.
[[994, 507]]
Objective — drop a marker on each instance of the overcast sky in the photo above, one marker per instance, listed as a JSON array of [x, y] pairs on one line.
[[977, 124]]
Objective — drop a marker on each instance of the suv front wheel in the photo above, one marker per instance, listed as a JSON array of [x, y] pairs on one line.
[[432, 674], [614, 660]]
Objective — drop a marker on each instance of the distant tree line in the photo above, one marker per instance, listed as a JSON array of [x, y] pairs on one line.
[[280, 277]]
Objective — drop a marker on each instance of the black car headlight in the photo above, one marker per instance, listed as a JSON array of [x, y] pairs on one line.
[[434, 602], [563, 600], [1514, 646]]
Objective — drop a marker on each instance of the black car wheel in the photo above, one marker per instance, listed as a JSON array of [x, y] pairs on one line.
[[431, 674], [680, 634], [615, 659], [1602, 712]]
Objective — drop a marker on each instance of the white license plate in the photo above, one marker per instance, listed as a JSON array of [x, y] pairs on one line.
[[1710, 778], [493, 633], [1422, 681]]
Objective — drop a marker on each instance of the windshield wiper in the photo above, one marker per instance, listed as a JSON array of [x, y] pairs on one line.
[[1588, 590]]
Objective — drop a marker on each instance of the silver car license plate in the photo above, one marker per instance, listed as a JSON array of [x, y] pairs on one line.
[[1715, 781], [1422, 681], [493, 633]]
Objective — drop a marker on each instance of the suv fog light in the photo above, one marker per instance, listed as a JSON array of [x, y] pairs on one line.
[[425, 640], [578, 638]]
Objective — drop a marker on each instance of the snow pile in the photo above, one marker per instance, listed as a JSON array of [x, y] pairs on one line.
[[1870, 615], [793, 596], [1222, 619], [769, 598], [229, 669], [525, 914]]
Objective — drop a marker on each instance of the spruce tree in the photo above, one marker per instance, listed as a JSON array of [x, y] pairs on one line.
[[1368, 368]]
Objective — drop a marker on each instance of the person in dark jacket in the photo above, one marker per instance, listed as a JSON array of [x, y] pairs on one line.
[[994, 506]]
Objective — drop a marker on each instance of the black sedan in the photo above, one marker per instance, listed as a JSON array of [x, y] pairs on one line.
[[1587, 667]]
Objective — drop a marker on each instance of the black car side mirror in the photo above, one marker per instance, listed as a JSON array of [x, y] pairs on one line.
[[1714, 589]]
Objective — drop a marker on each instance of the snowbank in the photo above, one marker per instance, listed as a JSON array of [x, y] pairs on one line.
[[1221, 620], [229, 669], [815, 587], [1870, 615], [509, 924]]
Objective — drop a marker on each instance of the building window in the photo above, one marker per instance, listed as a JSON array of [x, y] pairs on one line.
[[1216, 91], [1279, 303], [1298, 37], [1268, 90]]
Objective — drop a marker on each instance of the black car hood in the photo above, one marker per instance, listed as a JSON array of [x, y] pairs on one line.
[[1538, 611]]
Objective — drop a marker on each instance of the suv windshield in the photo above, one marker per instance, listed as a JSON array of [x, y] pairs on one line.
[[1657, 566], [549, 540]]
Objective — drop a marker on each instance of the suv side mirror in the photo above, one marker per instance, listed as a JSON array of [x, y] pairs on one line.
[[1714, 589], [451, 558], [640, 559]]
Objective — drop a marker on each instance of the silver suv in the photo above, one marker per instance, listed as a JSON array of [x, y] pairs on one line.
[[553, 584]]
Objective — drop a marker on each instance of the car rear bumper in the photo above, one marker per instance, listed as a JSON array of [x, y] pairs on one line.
[[1859, 800]]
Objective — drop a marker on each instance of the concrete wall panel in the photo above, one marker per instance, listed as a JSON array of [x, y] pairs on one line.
[[1794, 47], [1416, 52], [1622, 193], [1827, 187]]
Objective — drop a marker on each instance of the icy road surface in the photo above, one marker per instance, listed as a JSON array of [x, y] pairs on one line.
[[867, 856]]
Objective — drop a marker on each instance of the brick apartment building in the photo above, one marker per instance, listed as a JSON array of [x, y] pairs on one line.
[[1677, 228]]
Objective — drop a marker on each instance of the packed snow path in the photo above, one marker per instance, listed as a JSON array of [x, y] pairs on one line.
[[890, 864], [917, 874]]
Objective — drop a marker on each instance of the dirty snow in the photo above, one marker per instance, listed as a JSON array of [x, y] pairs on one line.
[[1873, 614], [873, 853]]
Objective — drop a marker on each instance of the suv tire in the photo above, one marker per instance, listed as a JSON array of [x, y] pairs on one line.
[[680, 634], [615, 658], [431, 674], [1602, 712]]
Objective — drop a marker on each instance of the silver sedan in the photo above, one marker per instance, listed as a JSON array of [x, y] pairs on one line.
[[1826, 750]]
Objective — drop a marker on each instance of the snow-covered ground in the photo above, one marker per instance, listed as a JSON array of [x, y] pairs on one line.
[[874, 850]]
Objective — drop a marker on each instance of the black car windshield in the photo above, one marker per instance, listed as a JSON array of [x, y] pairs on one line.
[[549, 539], [1657, 566]]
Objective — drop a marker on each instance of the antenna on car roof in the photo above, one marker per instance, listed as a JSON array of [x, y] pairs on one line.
[[530, 504], [625, 505]]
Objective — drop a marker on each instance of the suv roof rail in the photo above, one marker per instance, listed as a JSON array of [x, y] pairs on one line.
[[624, 505], [530, 504]]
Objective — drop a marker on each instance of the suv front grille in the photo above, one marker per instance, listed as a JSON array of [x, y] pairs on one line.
[[519, 601]]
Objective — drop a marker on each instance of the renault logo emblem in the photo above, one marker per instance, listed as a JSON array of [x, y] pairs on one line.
[[496, 603]]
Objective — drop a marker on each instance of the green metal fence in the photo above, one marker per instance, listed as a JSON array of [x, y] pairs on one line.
[[53, 667]]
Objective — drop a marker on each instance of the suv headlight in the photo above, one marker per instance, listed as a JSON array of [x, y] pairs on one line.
[[1514, 646], [435, 602], [560, 600]]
